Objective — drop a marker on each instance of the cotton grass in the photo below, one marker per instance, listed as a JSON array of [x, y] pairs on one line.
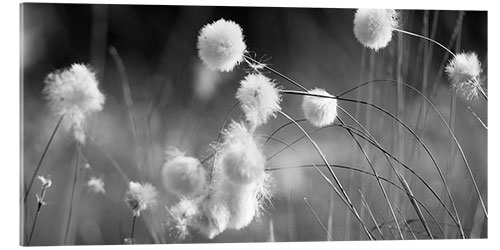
[[220, 45], [96, 185], [141, 196], [73, 93], [464, 72], [259, 98], [183, 175], [319, 111], [373, 27], [241, 159]]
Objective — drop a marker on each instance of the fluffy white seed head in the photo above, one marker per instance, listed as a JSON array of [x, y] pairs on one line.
[[214, 217], [96, 185], [373, 27], [141, 196], [319, 111], [464, 72], [73, 92], [182, 214], [183, 175], [220, 45], [241, 159], [259, 98]]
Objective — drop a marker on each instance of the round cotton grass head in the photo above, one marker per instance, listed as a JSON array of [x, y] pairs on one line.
[[259, 98], [183, 175], [73, 93], [373, 27], [241, 159], [319, 111], [220, 45], [464, 72], [141, 196]]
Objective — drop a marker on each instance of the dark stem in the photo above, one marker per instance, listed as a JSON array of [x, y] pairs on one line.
[[276, 72], [75, 177], [133, 227], [42, 157], [34, 222]]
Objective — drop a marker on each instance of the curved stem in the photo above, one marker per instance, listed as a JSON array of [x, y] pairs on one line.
[[248, 58], [75, 177], [42, 157], [405, 126], [366, 173], [442, 120], [337, 181], [423, 37]]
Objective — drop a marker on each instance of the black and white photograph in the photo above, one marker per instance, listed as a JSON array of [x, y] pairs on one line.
[[181, 124]]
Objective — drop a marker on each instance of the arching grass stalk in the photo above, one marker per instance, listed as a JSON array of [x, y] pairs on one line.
[[370, 213], [441, 118], [400, 122], [219, 136], [386, 197], [307, 159], [318, 219], [40, 204], [477, 118], [365, 173], [252, 61], [42, 158], [127, 96], [337, 181], [406, 223], [440, 45], [401, 179], [73, 189]]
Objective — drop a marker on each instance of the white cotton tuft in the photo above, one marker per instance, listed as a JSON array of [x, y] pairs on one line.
[[259, 98], [241, 159], [373, 27], [96, 185], [141, 196], [73, 93], [214, 217], [319, 111], [220, 45], [464, 73], [182, 214], [183, 175]]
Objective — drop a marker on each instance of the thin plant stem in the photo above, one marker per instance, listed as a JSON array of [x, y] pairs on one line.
[[405, 126], [370, 213], [133, 227], [406, 223], [400, 177], [361, 135], [73, 189], [477, 118], [366, 173], [248, 58], [337, 181], [42, 158], [34, 223], [423, 37], [129, 103], [114, 163], [443, 121], [386, 197], [318, 219]]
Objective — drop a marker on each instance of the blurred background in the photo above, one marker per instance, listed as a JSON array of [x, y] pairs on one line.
[[179, 102]]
